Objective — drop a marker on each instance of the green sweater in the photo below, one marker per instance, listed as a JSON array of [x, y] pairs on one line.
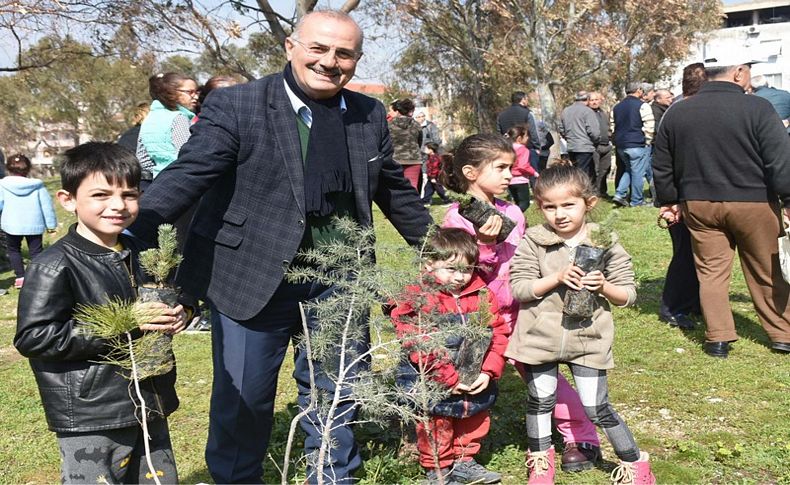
[[322, 229]]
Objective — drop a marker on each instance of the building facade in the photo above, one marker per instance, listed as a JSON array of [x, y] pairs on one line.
[[759, 30]]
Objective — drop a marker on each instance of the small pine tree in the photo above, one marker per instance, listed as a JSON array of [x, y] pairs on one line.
[[347, 265], [159, 262], [138, 358]]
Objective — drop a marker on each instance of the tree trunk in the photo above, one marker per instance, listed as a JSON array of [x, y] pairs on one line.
[[548, 106]]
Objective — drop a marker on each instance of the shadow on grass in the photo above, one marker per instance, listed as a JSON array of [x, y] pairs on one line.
[[273, 462], [7, 283], [648, 302]]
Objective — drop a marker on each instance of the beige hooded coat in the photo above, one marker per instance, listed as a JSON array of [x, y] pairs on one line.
[[540, 336]]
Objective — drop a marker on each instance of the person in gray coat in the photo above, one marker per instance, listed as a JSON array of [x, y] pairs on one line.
[[579, 127]]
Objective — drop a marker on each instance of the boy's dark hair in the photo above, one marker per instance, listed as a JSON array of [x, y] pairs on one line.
[[434, 147], [694, 76], [18, 165], [446, 242], [116, 163]]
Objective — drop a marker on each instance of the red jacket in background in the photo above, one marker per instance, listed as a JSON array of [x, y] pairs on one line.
[[433, 166]]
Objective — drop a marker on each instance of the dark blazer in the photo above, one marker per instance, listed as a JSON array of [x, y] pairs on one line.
[[244, 159]]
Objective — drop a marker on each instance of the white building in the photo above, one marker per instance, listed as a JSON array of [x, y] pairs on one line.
[[760, 30]]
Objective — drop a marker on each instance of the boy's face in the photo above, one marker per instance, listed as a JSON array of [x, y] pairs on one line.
[[453, 273], [103, 209]]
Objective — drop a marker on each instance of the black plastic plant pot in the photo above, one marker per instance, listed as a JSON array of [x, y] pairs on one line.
[[161, 361], [167, 295], [477, 212], [469, 360], [581, 303]]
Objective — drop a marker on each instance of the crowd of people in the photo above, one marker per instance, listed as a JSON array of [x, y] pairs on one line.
[[254, 174]]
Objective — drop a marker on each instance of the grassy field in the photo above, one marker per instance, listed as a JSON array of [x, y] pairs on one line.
[[702, 420]]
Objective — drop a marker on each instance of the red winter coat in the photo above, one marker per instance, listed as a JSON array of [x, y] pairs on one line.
[[433, 166], [465, 303]]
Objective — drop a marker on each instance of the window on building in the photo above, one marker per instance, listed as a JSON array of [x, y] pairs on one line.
[[738, 19], [774, 80], [774, 15]]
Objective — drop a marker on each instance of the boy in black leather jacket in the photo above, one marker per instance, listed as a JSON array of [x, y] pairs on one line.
[[88, 404]]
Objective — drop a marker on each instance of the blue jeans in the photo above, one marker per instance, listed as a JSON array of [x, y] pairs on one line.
[[636, 162], [247, 356]]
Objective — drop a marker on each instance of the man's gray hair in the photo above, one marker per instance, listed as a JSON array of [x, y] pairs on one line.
[[582, 96], [333, 14], [646, 87], [759, 81], [718, 71], [663, 92], [633, 87]]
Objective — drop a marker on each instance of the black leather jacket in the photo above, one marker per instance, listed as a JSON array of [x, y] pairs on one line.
[[78, 394]]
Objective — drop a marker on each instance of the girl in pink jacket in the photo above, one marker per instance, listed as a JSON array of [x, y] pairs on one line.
[[480, 167]]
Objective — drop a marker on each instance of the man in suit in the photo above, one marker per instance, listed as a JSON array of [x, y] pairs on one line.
[[266, 161]]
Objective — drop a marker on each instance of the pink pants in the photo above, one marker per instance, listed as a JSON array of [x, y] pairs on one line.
[[569, 415]]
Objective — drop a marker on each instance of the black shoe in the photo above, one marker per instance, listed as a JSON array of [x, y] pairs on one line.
[[781, 347], [619, 202], [717, 349], [680, 320], [578, 457]]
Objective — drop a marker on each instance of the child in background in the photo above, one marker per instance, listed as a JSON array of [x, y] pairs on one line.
[[27, 213], [480, 166], [540, 276], [433, 167], [522, 169], [89, 404], [458, 423]]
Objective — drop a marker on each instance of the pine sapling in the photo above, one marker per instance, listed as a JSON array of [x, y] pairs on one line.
[[333, 346], [159, 263], [114, 322]]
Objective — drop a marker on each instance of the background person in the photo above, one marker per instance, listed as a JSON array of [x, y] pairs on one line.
[[726, 175], [128, 138], [26, 213], [602, 156], [166, 128], [406, 137], [579, 127]]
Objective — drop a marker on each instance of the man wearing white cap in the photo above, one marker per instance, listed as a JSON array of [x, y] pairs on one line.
[[722, 162]]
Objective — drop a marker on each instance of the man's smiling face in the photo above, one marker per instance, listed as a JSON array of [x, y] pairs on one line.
[[323, 77]]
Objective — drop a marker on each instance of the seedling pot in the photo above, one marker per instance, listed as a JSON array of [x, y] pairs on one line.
[[469, 360], [162, 360], [581, 303], [477, 212]]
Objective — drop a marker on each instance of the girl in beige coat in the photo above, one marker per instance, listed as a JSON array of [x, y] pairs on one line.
[[541, 273]]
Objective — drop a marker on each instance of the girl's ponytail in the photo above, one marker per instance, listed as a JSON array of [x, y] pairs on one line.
[[448, 177]]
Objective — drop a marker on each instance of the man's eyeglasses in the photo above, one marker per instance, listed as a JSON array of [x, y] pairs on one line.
[[317, 51], [189, 92]]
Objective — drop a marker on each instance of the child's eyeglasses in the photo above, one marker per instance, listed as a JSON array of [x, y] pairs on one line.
[[189, 92]]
